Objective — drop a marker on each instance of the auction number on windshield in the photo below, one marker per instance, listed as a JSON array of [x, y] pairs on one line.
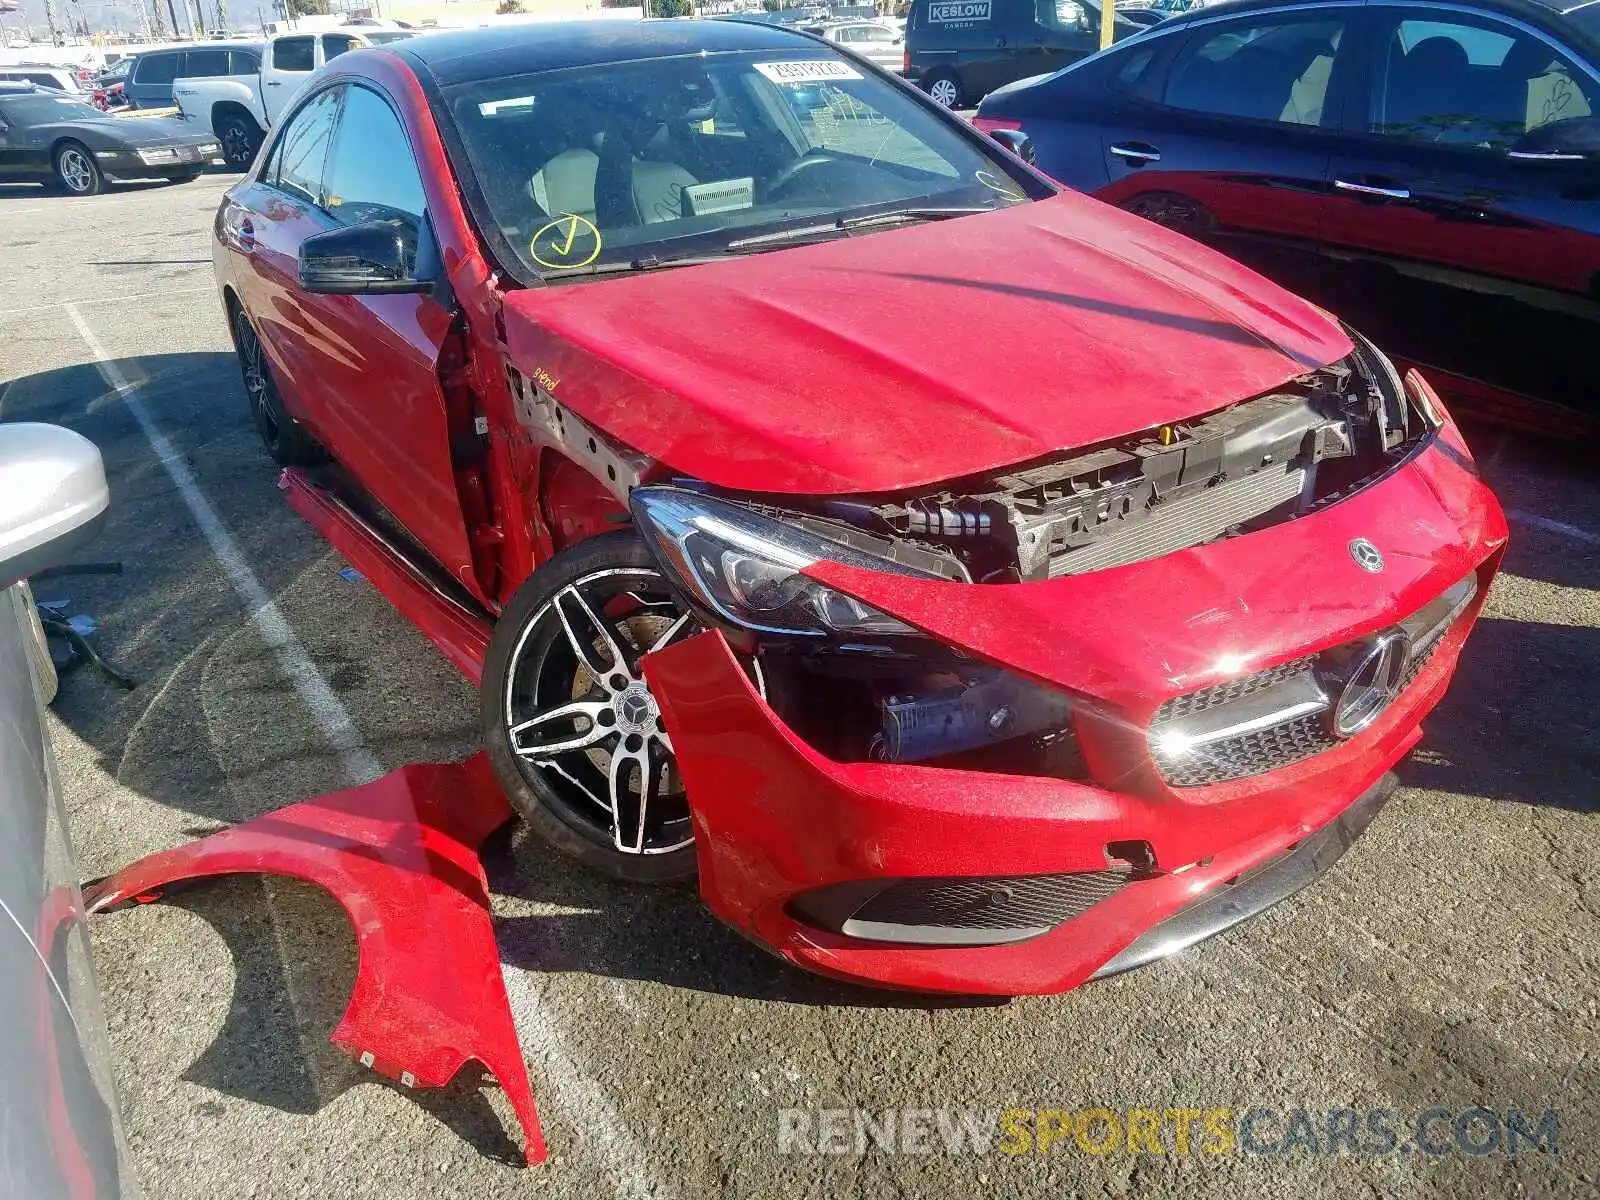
[[565, 243]]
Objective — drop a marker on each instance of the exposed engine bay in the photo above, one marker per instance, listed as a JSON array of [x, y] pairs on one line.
[[1248, 466]]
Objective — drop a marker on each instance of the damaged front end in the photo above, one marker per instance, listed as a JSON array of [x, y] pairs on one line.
[[862, 685], [994, 734]]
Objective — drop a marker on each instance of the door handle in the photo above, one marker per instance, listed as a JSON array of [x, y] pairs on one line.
[[1367, 189], [1137, 153], [274, 83]]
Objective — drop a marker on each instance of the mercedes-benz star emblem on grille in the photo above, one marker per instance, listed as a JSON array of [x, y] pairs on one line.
[[1372, 684], [1368, 557]]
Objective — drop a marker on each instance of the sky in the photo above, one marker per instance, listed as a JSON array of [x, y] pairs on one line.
[[123, 14]]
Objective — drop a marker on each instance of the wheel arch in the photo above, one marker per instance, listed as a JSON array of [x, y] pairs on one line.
[[233, 108]]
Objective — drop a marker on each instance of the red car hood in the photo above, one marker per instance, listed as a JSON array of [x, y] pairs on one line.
[[916, 355]]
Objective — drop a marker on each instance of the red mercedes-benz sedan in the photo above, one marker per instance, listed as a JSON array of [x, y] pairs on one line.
[[979, 587]]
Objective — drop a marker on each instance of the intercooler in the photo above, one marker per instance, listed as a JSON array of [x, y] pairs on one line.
[[1189, 521]]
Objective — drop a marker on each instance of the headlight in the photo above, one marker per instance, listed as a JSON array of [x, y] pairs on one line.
[[746, 566], [151, 157]]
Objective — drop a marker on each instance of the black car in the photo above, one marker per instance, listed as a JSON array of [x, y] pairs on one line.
[[51, 138], [1431, 171], [959, 50]]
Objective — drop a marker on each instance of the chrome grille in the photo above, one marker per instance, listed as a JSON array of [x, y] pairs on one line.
[[1252, 753], [1227, 693], [1279, 716]]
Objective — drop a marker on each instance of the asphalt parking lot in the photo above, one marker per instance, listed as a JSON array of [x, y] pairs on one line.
[[1451, 960]]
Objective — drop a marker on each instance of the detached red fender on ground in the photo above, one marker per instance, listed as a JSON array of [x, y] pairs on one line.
[[400, 855]]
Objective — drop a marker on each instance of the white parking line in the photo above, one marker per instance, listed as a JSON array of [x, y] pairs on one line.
[[143, 297], [332, 721], [1554, 526], [592, 1112]]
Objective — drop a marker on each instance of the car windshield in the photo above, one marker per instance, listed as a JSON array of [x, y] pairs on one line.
[[641, 162], [40, 110]]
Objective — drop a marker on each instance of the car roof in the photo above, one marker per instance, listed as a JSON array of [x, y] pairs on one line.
[[1548, 15], [218, 45], [472, 54]]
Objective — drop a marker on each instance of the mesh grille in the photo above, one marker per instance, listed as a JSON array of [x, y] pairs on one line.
[[1227, 693], [992, 902], [1420, 657], [1251, 753]]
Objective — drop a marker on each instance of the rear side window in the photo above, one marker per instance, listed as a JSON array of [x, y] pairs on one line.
[[1132, 70], [244, 62], [1471, 84], [1266, 71], [156, 68], [303, 149], [203, 64], [294, 54], [335, 44]]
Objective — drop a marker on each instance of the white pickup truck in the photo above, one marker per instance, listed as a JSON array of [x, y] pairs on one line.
[[240, 109]]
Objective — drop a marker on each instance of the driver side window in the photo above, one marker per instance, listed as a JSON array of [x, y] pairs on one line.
[[372, 173]]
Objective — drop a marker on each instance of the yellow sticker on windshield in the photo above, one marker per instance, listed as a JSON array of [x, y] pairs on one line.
[[565, 243]]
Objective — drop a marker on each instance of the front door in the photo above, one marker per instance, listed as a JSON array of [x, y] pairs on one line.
[[1465, 252], [365, 368]]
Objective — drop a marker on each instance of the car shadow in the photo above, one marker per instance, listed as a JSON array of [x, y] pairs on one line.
[[662, 934], [1518, 723], [273, 1046]]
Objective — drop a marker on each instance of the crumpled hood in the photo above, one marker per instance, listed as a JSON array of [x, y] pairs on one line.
[[916, 355]]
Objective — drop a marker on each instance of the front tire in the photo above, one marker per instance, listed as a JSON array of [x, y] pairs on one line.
[[569, 723], [240, 140], [77, 174], [287, 443]]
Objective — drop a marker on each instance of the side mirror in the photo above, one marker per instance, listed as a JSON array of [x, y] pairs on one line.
[[53, 496], [371, 259], [1574, 140], [1015, 141]]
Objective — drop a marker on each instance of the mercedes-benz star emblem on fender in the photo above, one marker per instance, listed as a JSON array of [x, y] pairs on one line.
[[1368, 557], [1372, 684]]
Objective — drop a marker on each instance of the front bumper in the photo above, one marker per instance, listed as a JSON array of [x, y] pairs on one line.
[[775, 820], [126, 164]]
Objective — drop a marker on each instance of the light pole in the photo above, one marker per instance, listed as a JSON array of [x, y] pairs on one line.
[[1108, 19]]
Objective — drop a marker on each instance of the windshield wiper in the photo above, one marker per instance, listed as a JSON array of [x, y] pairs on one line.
[[846, 224], [647, 262]]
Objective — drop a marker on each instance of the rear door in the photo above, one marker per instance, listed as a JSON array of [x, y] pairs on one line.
[[150, 85], [1229, 134], [205, 63], [286, 64], [1489, 254]]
